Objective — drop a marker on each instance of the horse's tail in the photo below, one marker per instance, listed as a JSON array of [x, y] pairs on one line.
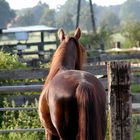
[[89, 119]]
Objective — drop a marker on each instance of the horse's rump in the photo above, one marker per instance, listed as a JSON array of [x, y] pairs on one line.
[[75, 103]]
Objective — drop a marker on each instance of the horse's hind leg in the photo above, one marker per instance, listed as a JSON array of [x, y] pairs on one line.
[[64, 118], [44, 115]]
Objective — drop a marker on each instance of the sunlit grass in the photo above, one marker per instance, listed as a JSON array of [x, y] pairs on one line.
[[135, 88]]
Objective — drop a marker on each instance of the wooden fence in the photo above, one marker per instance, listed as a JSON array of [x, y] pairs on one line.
[[99, 58], [103, 72]]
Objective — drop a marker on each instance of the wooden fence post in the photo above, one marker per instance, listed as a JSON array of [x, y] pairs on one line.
[[120, 104]]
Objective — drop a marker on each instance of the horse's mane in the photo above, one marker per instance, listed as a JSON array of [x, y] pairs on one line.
[[59, 55]]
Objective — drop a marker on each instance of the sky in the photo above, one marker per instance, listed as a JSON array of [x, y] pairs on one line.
[[19, 4]]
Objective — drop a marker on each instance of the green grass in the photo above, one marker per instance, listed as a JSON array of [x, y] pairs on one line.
[[135, 88], [136, 135], [136, 130]]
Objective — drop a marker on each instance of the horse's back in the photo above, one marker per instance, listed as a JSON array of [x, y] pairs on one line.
[[67, 81]]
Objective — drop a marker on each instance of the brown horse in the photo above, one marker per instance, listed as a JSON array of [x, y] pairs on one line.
[[72, 105]]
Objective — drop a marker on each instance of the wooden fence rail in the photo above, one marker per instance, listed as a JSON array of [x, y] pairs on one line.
[[22, 99], [135, 109], [17, 108], [103, 57], [39, 73], [19, 74], [135, 79], [22, 130], [110, 57], [22, 88]]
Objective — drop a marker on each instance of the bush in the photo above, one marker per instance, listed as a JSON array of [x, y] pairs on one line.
[[8, 61], [21, 119], [17, 119], [131, 30]]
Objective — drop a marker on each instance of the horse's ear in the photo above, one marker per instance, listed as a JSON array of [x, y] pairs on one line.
[[61, 34], [77, 33]]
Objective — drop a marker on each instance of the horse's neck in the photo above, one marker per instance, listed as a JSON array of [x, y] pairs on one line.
[[70, 57], [58, 70], [66, 62]]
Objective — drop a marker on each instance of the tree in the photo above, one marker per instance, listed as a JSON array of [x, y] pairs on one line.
[[101, 40], [6, 13], [130, 10], [66, 15], [110, 19], [131, 31], [85, 16], [38, 11], [25, 20], [65, 22], [48, 17]]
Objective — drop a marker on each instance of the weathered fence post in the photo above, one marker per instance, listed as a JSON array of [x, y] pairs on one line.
[[120, 105]]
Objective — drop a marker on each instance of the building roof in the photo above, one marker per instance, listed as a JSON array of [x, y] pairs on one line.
[[36, 28]]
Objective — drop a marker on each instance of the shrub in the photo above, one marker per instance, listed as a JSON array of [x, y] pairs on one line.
[[8, 61], [21, 119]]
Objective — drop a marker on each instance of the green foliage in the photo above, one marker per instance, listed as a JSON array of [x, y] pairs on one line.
[[98, 40], [21, 119], [8, 61], [22, 136], [131, 31], [136, 132], [86, 39]]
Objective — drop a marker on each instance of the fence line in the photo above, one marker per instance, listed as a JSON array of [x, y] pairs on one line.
[[135, 108], [135, 79], [33, 73], [21, 88], [21, 130], [17, 108], [22, 99], [39, 73], [108, 57]]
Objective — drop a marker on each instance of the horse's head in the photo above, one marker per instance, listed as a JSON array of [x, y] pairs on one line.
[[72, 45], [62, 37]]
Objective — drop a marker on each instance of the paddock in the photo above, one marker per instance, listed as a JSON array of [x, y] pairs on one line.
[[107, 71]]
